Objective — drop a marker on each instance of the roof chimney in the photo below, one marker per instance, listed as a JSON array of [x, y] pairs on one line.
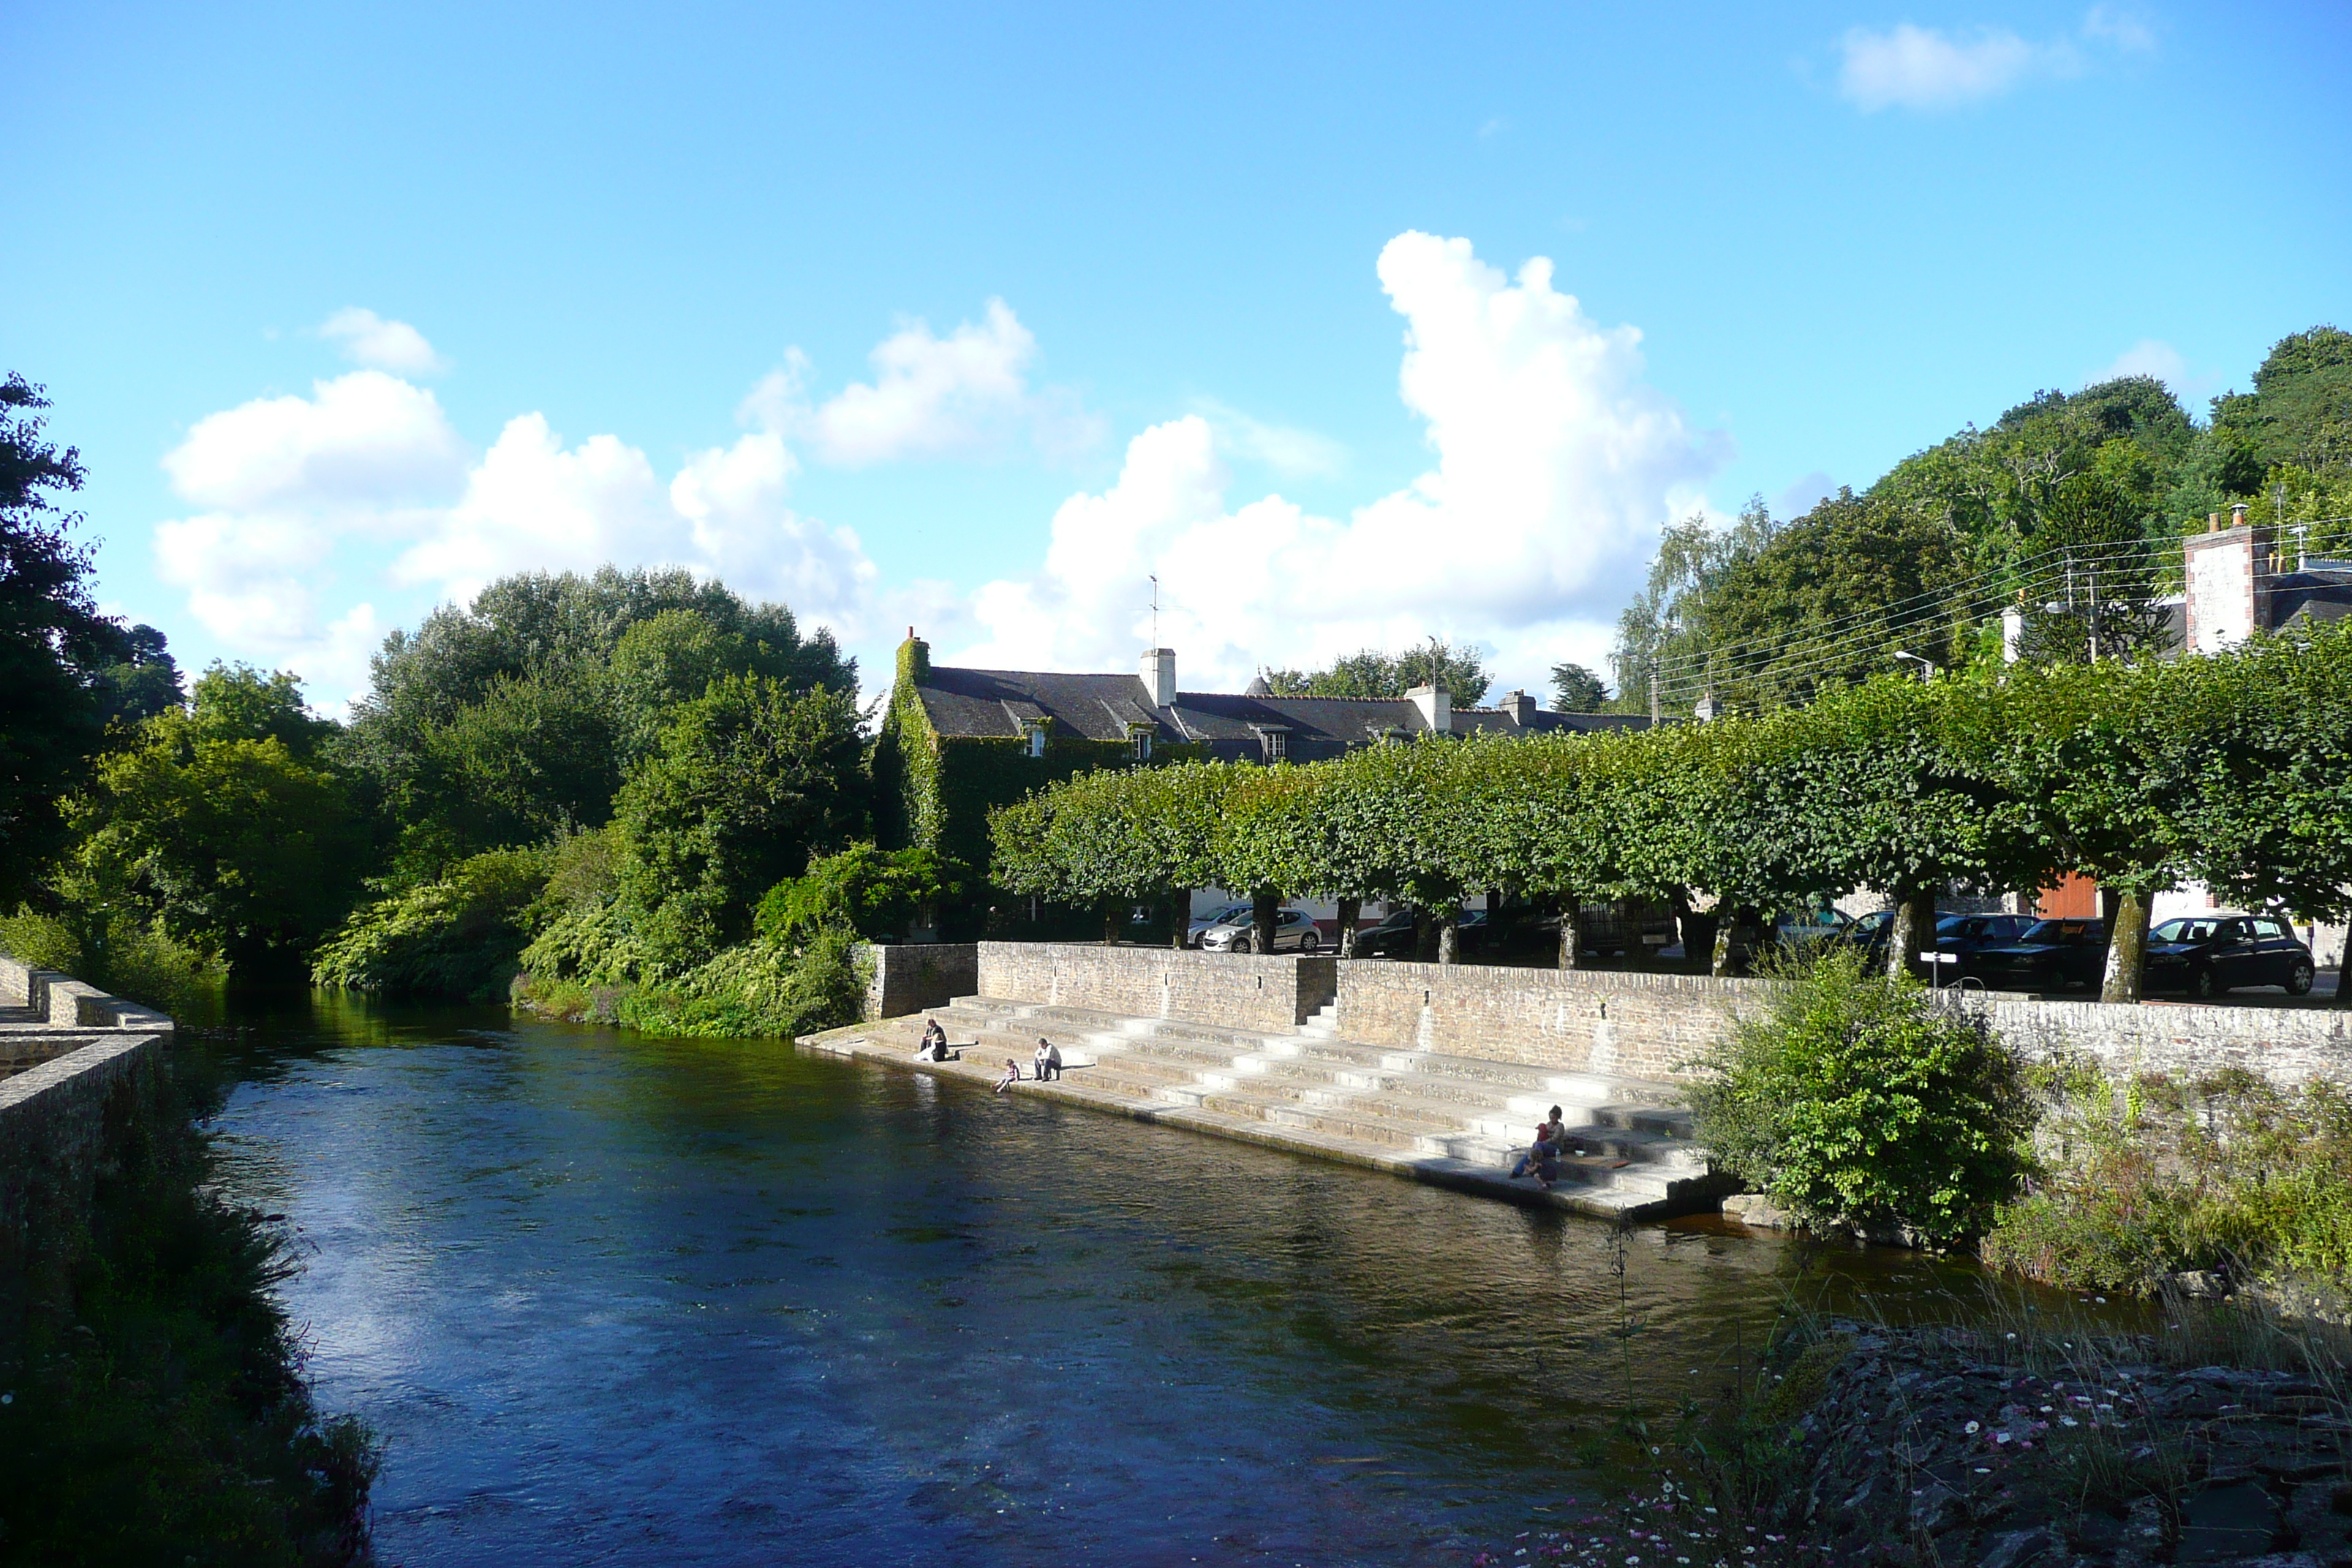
[[1520, 708], [2213, 522], [1437, 705], [1159, 675], [2237, 514]]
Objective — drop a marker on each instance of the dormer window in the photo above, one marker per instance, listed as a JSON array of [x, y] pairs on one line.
[[1036, 733], [1274, 742], [1141, 737]]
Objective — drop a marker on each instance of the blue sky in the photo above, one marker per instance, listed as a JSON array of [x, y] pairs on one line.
[[348, 307]]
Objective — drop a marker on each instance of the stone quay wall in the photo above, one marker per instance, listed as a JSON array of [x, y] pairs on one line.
[[1272, 992], [1608, 1021], [913, 977], [77, 1068]]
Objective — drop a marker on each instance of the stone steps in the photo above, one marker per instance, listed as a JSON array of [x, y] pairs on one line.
[[1458, 1116]]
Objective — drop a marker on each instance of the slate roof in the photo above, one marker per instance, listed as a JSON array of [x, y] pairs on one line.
[[991, 704], [2322, 591]]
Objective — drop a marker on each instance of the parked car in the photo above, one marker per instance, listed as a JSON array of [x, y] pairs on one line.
[[1870, 933], [2048, 955], [2208, 954], [1960, 938], [1293, 931], [1393, 937], [1808, 930], [1230, 914]]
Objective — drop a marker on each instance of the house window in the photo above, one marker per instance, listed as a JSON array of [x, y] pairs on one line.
[[1036, 740], [1142, 745], [1276, 743]]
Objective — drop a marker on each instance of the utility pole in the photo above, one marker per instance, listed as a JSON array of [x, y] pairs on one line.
[[2095, 616], [1155, 609], [1654, 690]]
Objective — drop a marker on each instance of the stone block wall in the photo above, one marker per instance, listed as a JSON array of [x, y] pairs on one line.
[[1656, 1025], [1272, 992], [913, 977], [77, 1074], [1639, 1025]]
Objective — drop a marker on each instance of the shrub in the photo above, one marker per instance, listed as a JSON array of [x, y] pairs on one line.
[[2227, 1172], [875, 892], [1851, 1102], [459, 936], [759, 988], [121, 955]]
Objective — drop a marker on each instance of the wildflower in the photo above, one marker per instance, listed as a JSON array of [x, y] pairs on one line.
[[1972, 1428]]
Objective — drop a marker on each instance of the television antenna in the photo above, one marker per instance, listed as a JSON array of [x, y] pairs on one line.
[[1155, 609]]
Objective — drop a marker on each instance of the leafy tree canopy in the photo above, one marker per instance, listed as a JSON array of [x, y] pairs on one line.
[[1373, 672], [1576, 689]]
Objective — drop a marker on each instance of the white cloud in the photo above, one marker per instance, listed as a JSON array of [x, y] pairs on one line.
[[368, 339], [2147, 357], [2118, 28], [1922, 68], [284, 484], [364, 437], [1554, 465], [1911, 66], [965, 394], [1286, 449]]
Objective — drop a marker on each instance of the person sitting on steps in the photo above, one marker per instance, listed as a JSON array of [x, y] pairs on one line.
[[1049, 1060], [1012, 1074], [1542, 1160], [934, 1047]]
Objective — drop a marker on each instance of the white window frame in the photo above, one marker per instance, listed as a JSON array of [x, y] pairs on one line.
[[1037, 738]]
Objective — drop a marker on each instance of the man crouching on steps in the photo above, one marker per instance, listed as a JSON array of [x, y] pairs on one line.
[[1542, 1161], [1049, 1063]]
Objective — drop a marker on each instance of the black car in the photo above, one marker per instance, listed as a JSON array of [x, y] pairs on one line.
[[1393, 937], [1965, 935], [2048, 955], [2208, 954]]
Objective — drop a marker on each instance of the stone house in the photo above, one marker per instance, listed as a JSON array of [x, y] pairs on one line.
[[954, 741]]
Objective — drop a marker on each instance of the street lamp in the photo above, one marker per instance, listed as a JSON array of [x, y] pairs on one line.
[[1928, 667]]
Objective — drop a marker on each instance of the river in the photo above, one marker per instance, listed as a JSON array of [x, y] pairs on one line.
[[610, 1300]]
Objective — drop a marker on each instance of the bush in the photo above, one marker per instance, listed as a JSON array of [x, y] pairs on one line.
[[158, 1412], [2228, 1172], [460, 936], [1853, 1103], [875, 892], [760, 988], [122, 957]]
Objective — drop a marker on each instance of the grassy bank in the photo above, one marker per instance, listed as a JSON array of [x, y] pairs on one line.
[[152, 1402]]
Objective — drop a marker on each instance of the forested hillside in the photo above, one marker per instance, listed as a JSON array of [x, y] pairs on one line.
[[2063, 500]]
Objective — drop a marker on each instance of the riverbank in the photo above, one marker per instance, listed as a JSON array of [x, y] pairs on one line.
[[2217, 1436], [153, 1407]]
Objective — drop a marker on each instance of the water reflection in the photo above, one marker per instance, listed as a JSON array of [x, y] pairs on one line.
[[622, 1300]]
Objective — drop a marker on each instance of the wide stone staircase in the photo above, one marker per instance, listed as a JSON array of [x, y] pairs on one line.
[[1458, 1120]]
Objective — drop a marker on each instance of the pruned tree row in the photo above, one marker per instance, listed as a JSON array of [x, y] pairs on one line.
[[2235, 770]]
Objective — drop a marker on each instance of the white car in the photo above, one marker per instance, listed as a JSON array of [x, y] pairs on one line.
[[1292, 928]]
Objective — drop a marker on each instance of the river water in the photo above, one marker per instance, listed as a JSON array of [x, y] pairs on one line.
[[610, 1300]]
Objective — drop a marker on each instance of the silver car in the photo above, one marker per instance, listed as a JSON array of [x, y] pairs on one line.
[[1223, 915], [1293, 929]]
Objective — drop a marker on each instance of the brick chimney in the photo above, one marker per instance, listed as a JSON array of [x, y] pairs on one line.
[[1159, 675], [1519, 708], [2225, 599]]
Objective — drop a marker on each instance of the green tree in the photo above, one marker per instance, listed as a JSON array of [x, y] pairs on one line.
[[1374, 672], [233, 844], [872, 892], [1576, 689], [56, 652], [751, 781]]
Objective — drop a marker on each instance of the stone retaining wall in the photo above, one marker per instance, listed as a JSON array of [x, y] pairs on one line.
[[1641, 1026], [1607, 1021], [910, 978], [87, 1065], [1272, 992], [1655, 1026]]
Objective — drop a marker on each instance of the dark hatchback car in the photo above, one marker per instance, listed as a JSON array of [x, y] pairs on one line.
[[2208, 954], [2048, 955]]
